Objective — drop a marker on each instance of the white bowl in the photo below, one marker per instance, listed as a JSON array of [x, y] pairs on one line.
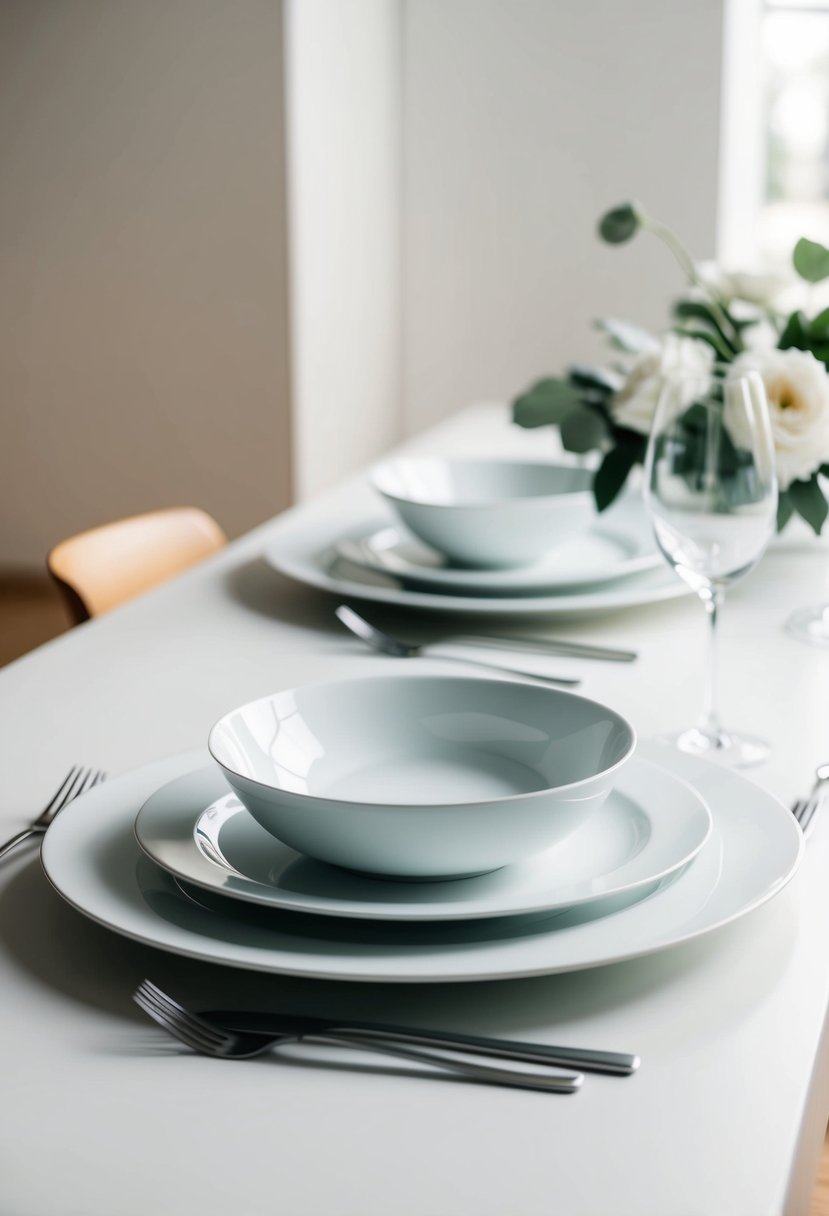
[[421, 776], [488, 513]]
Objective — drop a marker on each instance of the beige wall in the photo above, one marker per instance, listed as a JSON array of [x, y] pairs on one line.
[[143, 287], [523, 121]]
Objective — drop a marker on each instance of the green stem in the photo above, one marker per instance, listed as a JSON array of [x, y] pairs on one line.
[[674, 244]]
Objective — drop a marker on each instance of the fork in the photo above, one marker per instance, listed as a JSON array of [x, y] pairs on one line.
[[804, 810], [77, 781], [384, 643], [208, 1039]]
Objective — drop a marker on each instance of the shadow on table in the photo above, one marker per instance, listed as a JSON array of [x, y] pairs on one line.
[[92, 966]]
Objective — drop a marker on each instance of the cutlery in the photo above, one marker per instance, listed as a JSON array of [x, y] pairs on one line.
[[576, 650], [805, 809], [208, 1039], [77, 781], [614, 1063], [385, 644]]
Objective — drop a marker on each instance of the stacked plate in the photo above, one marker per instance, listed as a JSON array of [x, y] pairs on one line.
[[490, 537], [671, 848]]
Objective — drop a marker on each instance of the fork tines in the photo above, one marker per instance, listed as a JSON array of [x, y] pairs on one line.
[[187, 1027]]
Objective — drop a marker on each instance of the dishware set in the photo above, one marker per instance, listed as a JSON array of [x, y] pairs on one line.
[[499, 538], [431, 829]]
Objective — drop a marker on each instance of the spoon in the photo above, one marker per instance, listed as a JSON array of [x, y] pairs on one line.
[[385, 644]]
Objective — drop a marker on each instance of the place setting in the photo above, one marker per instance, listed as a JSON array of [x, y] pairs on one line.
[[485, 536], [419, 828]]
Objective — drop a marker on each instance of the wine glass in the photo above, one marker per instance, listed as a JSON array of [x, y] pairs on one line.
[[711, 491]]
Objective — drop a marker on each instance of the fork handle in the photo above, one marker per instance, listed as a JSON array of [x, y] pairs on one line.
[[515, 671], [18, 839], [560, 1083]]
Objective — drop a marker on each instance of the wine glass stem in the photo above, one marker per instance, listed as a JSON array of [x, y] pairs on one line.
[[710, 721]]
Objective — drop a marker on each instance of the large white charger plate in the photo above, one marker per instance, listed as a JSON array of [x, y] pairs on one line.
[[307, 552], [93, 860], [619, 543], [651, 824]]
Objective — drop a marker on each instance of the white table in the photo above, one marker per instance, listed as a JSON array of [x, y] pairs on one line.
[[99, 1118]]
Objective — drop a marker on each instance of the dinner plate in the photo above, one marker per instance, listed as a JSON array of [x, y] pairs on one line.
[[620, 543], [92, 858], [651, 824], [307, 552]]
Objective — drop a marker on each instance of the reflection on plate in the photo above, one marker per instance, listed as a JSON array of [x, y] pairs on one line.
[[651, 825], [92, 859]]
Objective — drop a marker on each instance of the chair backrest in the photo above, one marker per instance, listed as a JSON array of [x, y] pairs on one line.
[[99, 569]]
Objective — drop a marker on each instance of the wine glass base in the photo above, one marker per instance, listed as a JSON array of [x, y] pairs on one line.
[[810, 625], [726, 748]]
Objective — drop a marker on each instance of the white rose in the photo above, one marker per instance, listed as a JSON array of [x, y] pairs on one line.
[[764, 289], [797, 387], [635, 403]]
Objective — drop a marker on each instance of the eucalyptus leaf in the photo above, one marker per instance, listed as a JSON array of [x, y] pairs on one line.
[[698, 310], [583, 430], [713, 339], [794, 333], [627, 337], [811, 260], [601, 378], [807, 499], [547, 403], [785, 510], [613, 472], [819, 325], [619, 224]]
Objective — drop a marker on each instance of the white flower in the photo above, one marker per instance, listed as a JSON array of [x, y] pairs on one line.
[[797, 387], [635, 403], [763, 288]]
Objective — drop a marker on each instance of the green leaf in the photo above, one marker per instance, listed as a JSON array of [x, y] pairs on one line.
[[824, 470], [613, 472], [714, 340], [794, 333], [819, 325], [807, 499], [547, 403], [619, 224], [598, 378], [811, 260], [626, 336], [698, 310], [583, 430], [785, 510]]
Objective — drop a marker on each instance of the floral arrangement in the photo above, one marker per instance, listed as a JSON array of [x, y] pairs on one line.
[[729, 320]]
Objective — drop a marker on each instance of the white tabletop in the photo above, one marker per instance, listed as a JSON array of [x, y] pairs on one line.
[[100, 1118]]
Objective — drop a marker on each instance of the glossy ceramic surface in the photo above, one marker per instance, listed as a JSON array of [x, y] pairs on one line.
[[421, 776], [488, 513], [651, 824], [308, 553], [92, 859], [619, 543]]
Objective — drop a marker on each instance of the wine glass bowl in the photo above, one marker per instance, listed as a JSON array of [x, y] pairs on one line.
[[711, 492]]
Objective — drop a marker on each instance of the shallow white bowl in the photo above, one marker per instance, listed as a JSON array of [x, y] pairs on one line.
[[421, 776], [488, 513]]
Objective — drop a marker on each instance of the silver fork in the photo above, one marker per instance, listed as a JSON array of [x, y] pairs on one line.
[[384, 643], [804, 810], [77, 781], [210, 1040]]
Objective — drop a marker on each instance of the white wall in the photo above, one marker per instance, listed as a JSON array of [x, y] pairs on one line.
[[344, 158], [143, 284], [523, 121]]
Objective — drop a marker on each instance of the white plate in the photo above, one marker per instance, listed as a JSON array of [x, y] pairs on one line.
[[93, 860], [619, 544], [307, 553], [651, 824]]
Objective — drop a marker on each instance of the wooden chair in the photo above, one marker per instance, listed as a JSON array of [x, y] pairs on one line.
[[99, 569]]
